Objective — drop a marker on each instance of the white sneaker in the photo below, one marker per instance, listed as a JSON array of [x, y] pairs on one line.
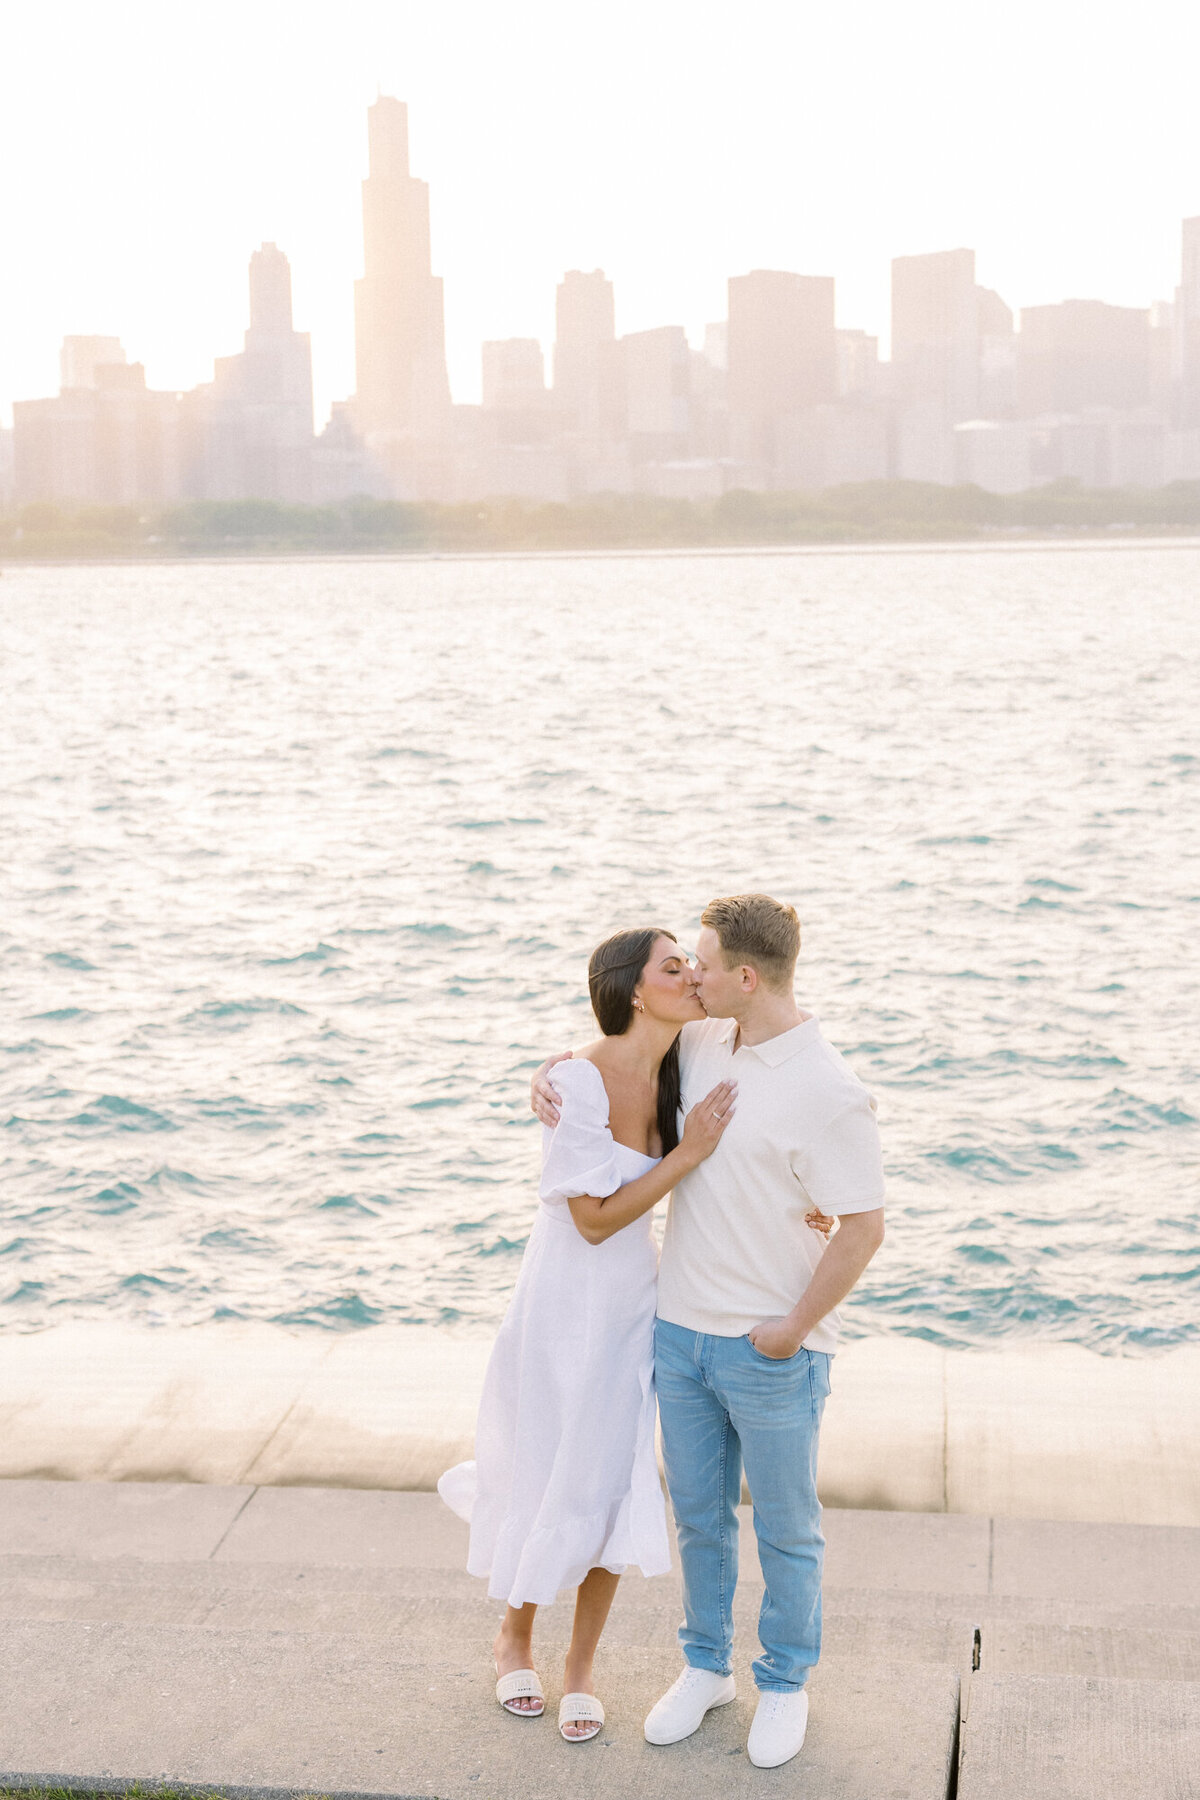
[[778, 1729], [682, 1708]]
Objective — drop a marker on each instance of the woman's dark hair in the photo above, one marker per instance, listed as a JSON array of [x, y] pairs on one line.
[[614, 970]]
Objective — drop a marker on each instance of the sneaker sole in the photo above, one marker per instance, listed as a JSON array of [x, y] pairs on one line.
[[779, 1761]]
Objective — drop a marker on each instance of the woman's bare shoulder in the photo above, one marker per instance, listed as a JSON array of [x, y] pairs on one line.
[[584, 1061]]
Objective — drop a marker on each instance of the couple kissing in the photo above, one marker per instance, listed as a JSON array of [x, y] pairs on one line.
[[711, 1085]]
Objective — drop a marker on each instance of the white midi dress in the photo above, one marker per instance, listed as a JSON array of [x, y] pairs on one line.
[[565, 1477]]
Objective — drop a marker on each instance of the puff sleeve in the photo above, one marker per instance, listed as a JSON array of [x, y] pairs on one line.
[[579, 1155]]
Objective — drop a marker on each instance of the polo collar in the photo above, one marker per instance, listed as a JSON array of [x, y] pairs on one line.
[[776, 1050]]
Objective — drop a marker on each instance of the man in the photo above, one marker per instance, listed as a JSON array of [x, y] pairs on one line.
[[746, 1323]]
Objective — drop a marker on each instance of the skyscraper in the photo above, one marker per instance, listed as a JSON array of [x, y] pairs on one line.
[[997, 356], [516, 405], [782, 356], [400, 339], [657, 368], [586, 370], [935, 331], [251, 428], [106, 437], [1187, 329], [514, 375], [80, 357], [277, 361], [1082, 353]]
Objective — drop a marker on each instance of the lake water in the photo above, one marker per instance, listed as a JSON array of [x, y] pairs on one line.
[[302, 863]]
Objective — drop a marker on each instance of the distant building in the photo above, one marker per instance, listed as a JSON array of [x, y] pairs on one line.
[[7, 485], [997, 356], [516, 404], [514, 454], [1181, 455], [857, 363], [708, 399], [588, 390], [924, 444], [782, 357], [1101, 448], [512, 471], [829, 445], [403, 394], [1082, 353], [514, 375], [716, 344], [106, 439], [1070, 448], [1162, 358], [657, 371], [936, 332], [1137, 446], [342, 466], [250, 430], [80, 357], [993, 454], [1187, 330], [694, 478]]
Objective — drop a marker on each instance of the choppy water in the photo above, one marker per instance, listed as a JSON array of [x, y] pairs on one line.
[[302, 863]]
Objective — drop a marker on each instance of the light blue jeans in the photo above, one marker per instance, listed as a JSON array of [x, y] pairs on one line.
[[723, 1404]]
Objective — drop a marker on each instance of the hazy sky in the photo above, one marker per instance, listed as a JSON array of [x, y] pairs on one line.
[[146, 149]]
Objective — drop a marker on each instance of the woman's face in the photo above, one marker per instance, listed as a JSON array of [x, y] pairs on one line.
[[667, 989]]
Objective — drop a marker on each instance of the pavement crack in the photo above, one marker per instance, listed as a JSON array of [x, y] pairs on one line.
[[945, 1434], [237, 1515]]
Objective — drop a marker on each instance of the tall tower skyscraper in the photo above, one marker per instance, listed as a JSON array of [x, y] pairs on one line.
[[400, 338]]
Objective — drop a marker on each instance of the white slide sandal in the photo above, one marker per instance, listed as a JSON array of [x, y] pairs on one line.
[[521, 1684], [573, 1708]]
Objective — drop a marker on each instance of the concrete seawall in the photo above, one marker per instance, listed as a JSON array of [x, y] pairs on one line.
[[1047, 1431]]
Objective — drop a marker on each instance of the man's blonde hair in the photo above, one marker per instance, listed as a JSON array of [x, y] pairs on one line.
[[754, 929]]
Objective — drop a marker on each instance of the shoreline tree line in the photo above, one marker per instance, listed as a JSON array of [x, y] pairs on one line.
[[866, 512]]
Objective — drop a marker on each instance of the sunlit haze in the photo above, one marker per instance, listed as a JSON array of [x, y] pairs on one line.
[[149, 149]]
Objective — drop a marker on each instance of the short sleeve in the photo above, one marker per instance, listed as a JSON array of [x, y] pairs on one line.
[[842, 1168], [579, 1155]]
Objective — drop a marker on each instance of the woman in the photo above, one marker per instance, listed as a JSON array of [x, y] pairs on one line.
[[564, 1492]]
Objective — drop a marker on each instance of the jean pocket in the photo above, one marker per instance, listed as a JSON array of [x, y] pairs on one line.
[[776, 1361]]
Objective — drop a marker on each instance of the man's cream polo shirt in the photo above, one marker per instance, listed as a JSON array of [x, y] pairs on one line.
[[736, 1249]]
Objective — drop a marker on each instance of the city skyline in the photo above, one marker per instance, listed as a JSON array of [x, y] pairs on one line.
[[779, 397], [669, 155], [401, 364]]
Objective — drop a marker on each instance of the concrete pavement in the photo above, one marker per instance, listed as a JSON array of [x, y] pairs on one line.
[[327, 1641], [1047, 1431]]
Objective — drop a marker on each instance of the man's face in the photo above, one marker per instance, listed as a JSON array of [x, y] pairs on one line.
[[721, 990]]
